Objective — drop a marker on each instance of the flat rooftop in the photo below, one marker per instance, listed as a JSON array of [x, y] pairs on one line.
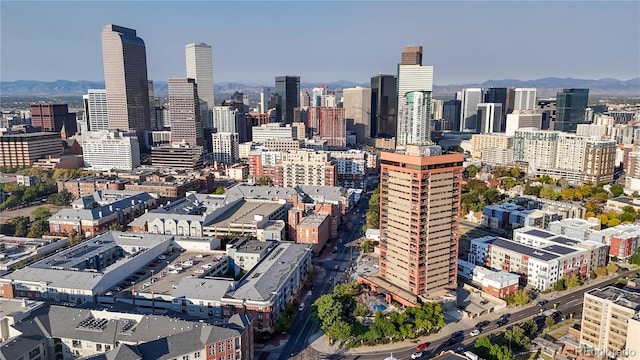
[[244, 212], [576, 224], [266, 278], [539, 233], [250, 246], [618, 296], [524, 249], [313, 220], [626, 230], [558, 249]]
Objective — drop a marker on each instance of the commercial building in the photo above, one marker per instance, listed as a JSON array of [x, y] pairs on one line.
[[489, 118], [507, 216], [357, 109], [262, 162], [18, 251], [96, 111], [305, 167], [413, 76], [225, 147], [245, 254], [25, 149], [283, 144], [53, 117], [571, 105], [93, 214], [328, 123], [384, 105], [288, 88], [493, 282], [107, 150], [264, 132], [166, 187], [519, 119], [178, 156], [351, 168], [125, 75], [414, 119], [606, 315], [469, 100], [482, 142], [225, 119], [451, 113], [80, 273], [524, 99], [314, 229], [184, 109], [419, 217], [200, 67]]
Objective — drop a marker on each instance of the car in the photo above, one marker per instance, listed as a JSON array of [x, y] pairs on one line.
[[301, 307], [475, 332], [501, 322], [483, 323], [140, 273], [505, 316], [460, 350], [422, 346], [543, 302], [336, 267], [457, 334], [108, 293], [416, 355], [484, 302], [313, 286]]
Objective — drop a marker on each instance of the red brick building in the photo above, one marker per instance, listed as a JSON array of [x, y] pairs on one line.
[[53, 117], [314, 229]]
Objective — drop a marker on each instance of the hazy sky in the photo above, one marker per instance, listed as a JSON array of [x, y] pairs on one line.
[[325, 41]]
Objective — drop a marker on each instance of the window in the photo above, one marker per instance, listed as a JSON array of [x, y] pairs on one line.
[[230, 345], [76, 343], [98, 347], [230, 356], [212, 350], [221, 348], [185, 357], [107, 347], [196, 354]]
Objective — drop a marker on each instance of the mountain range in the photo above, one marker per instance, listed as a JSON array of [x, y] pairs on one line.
[[545, 86]]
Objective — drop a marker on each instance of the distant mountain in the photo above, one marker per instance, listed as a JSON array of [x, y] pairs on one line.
[[546, 87]]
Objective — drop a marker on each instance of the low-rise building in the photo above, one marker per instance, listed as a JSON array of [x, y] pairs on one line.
[[16, 252], [496, 283], [87, 185], [25, 149], [168, 188], [93, 214], [245, 254], [623, 240], [238, 172], [314, 229], [178, 156]]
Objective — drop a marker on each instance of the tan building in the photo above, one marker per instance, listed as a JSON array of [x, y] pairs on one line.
[[481, 142], [87, 185], [357, 108], [419, 217], [25, 149], [599, 161], [305, 167], [283, 144], [605, 320]]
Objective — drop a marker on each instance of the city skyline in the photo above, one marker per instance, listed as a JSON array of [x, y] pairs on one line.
[[354, 31]]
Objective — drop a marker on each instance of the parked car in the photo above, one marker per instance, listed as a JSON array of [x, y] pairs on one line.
[[457, 334], [484, 302], [543, 302], [475, 332], [501, 322], [483, 323], [301, 307], [422, 346], [416, 355]]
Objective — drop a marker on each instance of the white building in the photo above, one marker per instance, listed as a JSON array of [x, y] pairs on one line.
[[106, 150], [96, 111], [200, 67], [225, 119], [522, 119], [489, 118], [470, 99], [225, 147], [264, 132], [524, 99], [414, 119], [357, 107]]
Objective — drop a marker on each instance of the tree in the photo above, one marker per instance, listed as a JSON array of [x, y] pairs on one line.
[[20, 224], [521, 297], [220, 190], [117, 227], [471, 171], [515, 172], [572, 281], [327, 310], [264, 181], [38, 228], [548, 193], [360, 311], [40, 213], [532, 190], [560, 285], [509, 182], [549, 322], [635, 258], [517, 337], [601, 271], [530, 328], [612, 268], [10, 202], [456, 148], [616, 190], [373, 214], [62, 198], [367, 246], [29, 194], [339, 330]]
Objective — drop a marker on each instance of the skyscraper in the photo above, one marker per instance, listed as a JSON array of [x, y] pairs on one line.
[[489, 118], [184, 107], [125, 75], [53, 117], [412, 77], [357, 108], [469, 108], [384, 105], [504, 96], [96, 111], [412, 55], [571, 105], [413, 120], [451, 113], [200, 67], [288, 87], [419, 218], [525, 99]]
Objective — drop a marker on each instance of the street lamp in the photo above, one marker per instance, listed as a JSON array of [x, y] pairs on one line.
[[152, 276]]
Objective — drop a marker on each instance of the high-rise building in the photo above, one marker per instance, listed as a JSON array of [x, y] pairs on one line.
[[412, 55], [489, 118], [357, 108], [53, 117], [436, 109], [25, 149], [451, 113], [571, 105], [153, 120], [305, 99], [288, 87], [225, 119], [225, 147], [317, 96], [483, 142], [96, 109], [109, 150], [522, 119], [200, 67], [414, 119], [525, 99], [184, 107], [384, 105], [504, 96], [419, 218], [328, 123], [469, 108], [412, 77], [548, 110], [125, 75], [306, 168]]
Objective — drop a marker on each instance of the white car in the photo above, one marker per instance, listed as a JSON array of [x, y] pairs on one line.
[[416, 355], [475, 332]]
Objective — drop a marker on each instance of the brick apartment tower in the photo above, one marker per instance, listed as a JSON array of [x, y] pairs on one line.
[[412, 55], [419, 218], [53, 117]]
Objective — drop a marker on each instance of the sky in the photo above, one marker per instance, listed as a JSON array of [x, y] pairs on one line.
[[324, 41]]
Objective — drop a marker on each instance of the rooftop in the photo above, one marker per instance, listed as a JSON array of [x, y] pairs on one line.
[[626, 230], [243, 212], [539, 233], [524, 249], [618, 296], [558, 249], [265, 279], [313, 220], [575, 223], [101, 204], [250, 246]]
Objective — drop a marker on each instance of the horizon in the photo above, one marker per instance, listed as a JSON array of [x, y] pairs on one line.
[[520, 40]]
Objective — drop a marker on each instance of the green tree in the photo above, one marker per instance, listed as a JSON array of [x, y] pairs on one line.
[[373, 214], [515, 172], [20, 224], [532, 190], [41, 213], [635, 258], [117, 227], [530, 328], [601, 271], [471, 171], [560, 285], [616, 190], [456, 148], [10, 202], [572, 281], [338, 331], [548, 193], [360, 311], [327, 310], [367, 246], [264, 181], [612, 268], [517, 337], [29, 194], [549, 322], [38, 228], [219, 190], [62, 198]]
